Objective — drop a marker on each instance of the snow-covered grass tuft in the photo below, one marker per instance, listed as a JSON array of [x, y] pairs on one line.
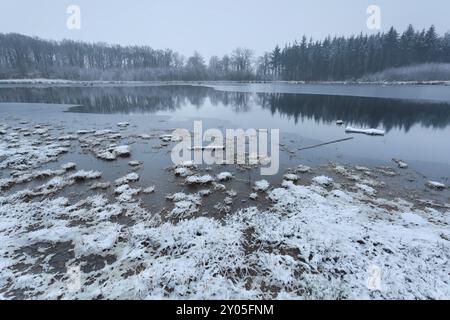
[[83, 175], [224, 176], [69, 166], [323, 181], [199, 179], [291, 177], [183, 172], [131, 177], [262, 185], [31, 154], [184, 204]]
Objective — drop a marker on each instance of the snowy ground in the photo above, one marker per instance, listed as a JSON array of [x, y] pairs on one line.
[[319, 238]]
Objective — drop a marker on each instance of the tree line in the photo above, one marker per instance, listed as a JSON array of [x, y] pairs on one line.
[[30, 57], [337, 58], [350, 58]]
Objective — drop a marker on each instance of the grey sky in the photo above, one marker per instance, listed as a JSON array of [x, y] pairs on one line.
[[213, 26]]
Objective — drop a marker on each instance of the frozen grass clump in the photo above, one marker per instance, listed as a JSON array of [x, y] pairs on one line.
[[366, 189], [183, 172], [52, 186], [106, 155], [290, 177], [134, 163], [131, 177], [302, 169], [123, 124], [68, 137], [29, 154], [21, 177], [224, 176], [199, 179], [149, 190], [100, 185], [83, 175], [323, 181], [184, 204], [69, 166], [125, 193], [122, 151], [253, 196], [262, 185]]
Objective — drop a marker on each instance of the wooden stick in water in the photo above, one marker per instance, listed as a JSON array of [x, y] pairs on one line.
[[326, 143]]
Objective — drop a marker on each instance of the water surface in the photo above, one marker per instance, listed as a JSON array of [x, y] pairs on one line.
[[417, 130]]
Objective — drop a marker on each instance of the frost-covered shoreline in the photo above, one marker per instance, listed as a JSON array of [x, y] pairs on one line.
[[317, 238], [314, 243]]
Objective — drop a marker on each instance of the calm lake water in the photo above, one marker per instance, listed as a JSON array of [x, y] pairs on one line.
[[417, 128]]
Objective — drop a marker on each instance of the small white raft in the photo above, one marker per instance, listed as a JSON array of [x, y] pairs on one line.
[[370, 132]]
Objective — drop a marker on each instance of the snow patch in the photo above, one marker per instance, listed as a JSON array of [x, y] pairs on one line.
[[261, 185]]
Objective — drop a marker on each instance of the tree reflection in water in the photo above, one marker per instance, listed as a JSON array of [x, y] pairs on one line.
[[365, 112]]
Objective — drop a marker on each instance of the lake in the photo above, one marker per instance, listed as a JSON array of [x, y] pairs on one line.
[[417, 128]]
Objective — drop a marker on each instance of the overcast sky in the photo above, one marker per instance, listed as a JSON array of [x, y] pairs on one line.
[[213, 26]]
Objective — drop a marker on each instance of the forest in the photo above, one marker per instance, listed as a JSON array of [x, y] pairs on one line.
[[331, 59]]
